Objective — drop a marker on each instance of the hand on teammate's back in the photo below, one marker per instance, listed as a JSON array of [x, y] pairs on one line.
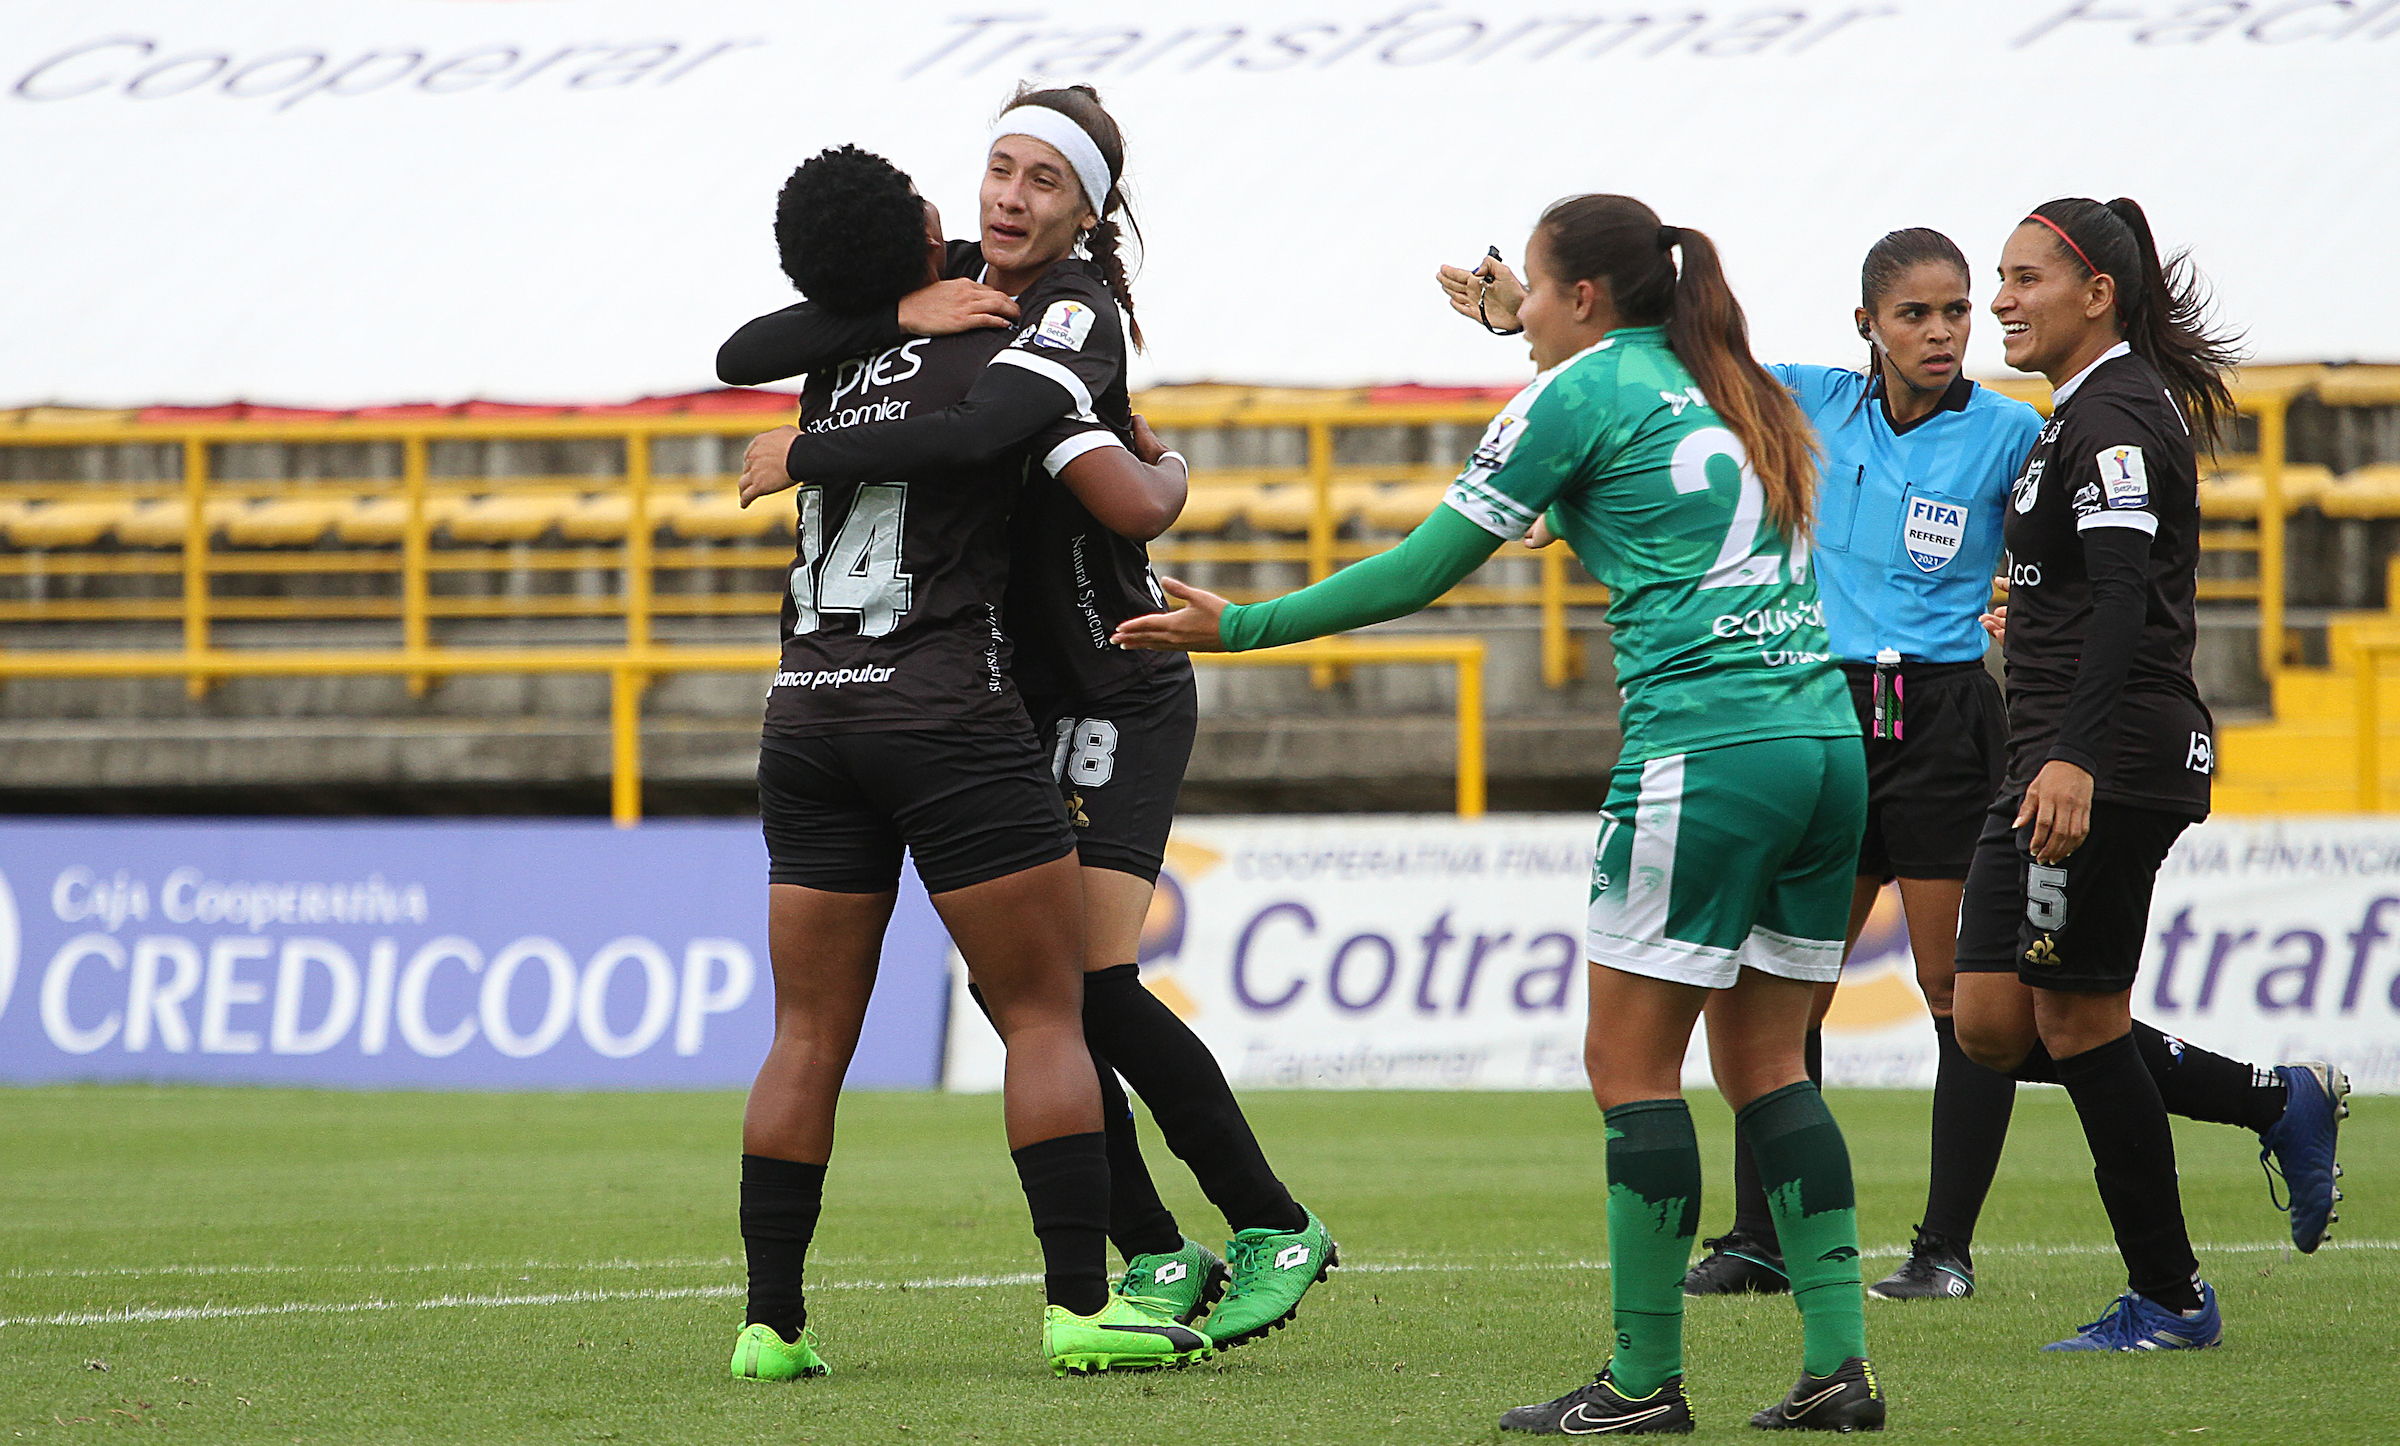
[[1145, 442], [2058, 803], [1194, 628], [1995, 622], [1492, 284], [763, 465], [947, 308]]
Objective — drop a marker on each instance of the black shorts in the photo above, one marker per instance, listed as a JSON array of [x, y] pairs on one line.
[[1119, 765], [970, 804], [2076, 926], [1927, 789]]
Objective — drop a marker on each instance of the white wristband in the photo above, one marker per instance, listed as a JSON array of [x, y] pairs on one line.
[[1178, 456]]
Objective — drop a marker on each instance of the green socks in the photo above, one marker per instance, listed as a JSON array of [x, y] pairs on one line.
[[1653, 1213], [1806, 1170]]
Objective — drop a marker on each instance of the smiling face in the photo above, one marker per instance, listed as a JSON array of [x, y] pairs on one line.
[[1033, 207], [1921, 323], [2053, 318]]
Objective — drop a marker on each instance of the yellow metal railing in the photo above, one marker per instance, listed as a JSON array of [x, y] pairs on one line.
[[630, 669], [638, 556]]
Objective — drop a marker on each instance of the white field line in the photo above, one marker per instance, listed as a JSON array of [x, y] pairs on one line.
[[149, 1314], [493, 1267]]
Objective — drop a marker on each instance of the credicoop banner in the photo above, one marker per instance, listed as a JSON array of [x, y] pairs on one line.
[[1433, 953], [451, 954]]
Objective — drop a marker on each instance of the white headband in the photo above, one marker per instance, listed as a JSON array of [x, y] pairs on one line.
[[1055, 128]]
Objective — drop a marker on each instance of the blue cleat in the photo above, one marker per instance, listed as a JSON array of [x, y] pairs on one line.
[[2138, 1323], [2300, 1149]]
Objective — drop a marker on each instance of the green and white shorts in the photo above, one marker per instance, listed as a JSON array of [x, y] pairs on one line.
[[1732, 857]]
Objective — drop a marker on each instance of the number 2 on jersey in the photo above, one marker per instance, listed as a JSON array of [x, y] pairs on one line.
[[861, 572], [1739, 562]]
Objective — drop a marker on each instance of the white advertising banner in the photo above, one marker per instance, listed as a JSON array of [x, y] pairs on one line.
[[1439, 953], [384, 201]]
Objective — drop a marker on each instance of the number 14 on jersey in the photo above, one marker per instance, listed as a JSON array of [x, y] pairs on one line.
[[860, 574]]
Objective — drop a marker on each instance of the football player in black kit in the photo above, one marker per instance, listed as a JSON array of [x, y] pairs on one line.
[[893, 723], [1118, 725], [2110, 746]]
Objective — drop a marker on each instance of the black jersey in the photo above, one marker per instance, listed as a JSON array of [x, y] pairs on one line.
[[1072, 580], [2103, 538], [892, 611]]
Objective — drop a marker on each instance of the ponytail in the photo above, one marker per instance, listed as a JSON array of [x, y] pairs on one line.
[[1104, 242], [1619, 241], [2162, 308]]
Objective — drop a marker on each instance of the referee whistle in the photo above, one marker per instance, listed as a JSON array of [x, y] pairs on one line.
[[1889, 687]]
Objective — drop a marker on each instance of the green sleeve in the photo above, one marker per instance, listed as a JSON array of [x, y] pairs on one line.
[[1428, 562]]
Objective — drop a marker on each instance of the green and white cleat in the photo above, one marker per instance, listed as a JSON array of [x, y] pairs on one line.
[[1184, 1284], [1271, 1270], [761, 1355], [1127, 1334]]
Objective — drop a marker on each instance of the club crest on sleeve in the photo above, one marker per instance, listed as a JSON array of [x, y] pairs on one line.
[[1933, 532], [1064, 326], [2029, 484], [2123, 477]]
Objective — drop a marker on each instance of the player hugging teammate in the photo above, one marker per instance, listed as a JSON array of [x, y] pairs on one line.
[[968, 421]]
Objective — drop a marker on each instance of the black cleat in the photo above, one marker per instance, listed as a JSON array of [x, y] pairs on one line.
[[1847, 1400], [1598, 1410], [1937, 1268], [1738, 1264]]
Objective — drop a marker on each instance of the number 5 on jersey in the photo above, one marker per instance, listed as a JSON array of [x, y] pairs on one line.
[[860, 573]]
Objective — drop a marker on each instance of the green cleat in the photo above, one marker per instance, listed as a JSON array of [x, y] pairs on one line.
[[1272, 1269], [1184, 1285], [1129, 1333], [761, 1355]]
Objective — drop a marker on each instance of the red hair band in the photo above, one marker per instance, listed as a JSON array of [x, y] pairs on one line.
[[2063, 236]]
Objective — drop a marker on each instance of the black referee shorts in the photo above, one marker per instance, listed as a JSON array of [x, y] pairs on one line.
[[1119, 765], [970, 804], [2076, 926], [1928, 788]]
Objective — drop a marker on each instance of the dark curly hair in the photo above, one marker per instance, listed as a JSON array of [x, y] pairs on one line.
[[850, 231]]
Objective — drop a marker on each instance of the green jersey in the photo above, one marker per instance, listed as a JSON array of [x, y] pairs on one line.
[[1718, 633]]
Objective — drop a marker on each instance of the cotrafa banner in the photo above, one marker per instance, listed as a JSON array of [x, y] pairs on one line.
[[1437, 953], [467, 955]]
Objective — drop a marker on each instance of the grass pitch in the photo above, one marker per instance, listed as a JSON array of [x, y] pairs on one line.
[[256, 1265]]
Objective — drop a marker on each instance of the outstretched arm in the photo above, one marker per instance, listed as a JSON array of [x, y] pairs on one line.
[[1428, 562]]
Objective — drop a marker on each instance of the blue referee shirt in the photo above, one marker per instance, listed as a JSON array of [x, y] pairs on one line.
[[1908, 521]]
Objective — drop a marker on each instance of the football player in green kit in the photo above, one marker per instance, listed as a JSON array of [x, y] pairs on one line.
[[1683, 477]]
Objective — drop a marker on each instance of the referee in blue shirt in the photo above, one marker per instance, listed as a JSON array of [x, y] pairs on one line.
[[1916, 474]]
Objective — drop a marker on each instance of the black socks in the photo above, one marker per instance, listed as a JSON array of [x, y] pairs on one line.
[[2133, 1161], [2199, 1085], [1751, 1216], [780, 1201], [1971, 1109], [1066, 1187], [1185, 1090], [1139, 1223]]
